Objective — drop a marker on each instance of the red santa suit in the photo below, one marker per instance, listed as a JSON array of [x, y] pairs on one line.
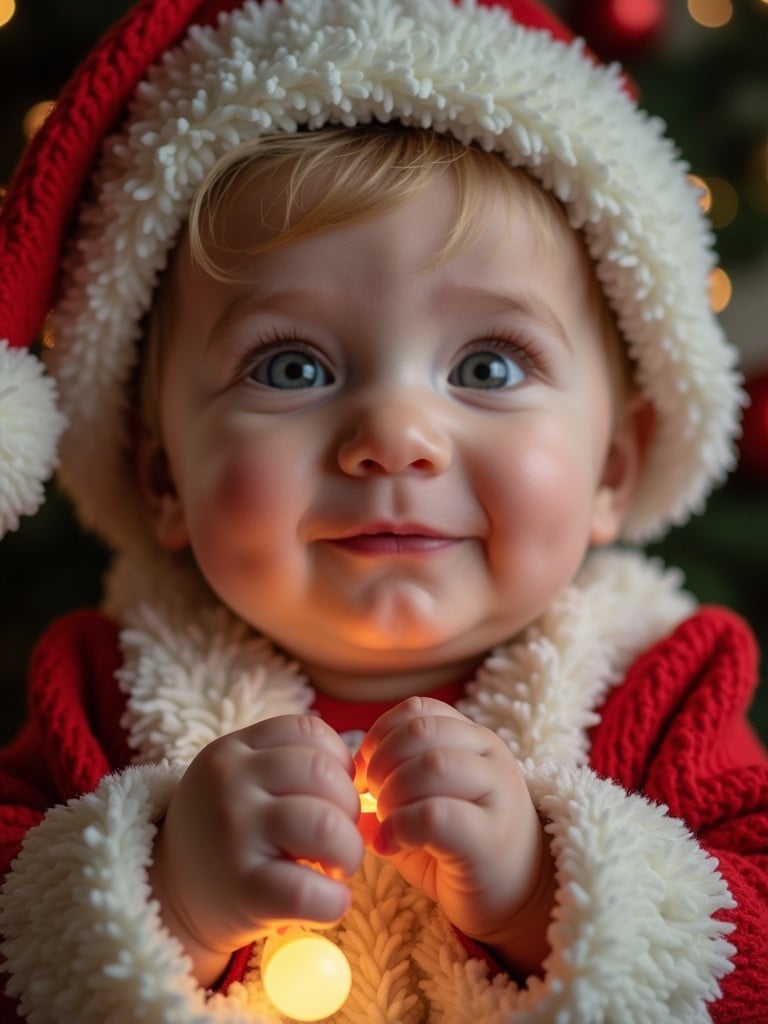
[[624, 706]]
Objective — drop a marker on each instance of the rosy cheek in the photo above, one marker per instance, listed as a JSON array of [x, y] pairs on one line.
[[237, 490], [540, 491]]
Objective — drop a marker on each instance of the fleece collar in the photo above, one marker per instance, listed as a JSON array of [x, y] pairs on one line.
[[194, 673]]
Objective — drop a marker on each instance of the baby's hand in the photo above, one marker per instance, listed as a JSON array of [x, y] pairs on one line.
[[251, 807], [458, 822]]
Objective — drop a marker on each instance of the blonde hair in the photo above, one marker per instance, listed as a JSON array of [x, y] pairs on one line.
[[307, 182], [337, 176]]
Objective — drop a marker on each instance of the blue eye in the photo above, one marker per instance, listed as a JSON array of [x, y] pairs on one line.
[[487, 370], [290, 370]]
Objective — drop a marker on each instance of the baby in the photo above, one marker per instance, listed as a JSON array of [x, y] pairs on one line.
[[379, 325]]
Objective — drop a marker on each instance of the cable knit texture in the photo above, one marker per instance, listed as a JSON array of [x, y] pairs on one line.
[[466, 69], [660, 887]]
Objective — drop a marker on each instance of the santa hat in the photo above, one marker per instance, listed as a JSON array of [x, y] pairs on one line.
[[106, 185]]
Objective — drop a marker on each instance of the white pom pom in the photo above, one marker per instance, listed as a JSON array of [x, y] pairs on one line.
[[30, 427]]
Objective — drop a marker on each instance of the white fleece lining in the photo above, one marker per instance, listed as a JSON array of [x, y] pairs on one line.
[[30, 427], [192, 674], [633, 937], [460, 69]]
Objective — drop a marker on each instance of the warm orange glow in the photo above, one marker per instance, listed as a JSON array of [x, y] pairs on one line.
[[306, 977], [35, 117], [7, 11], [711, 13], [367, 803], [720, 289]]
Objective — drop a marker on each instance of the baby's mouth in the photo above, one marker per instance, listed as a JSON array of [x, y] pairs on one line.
[[394, 542]]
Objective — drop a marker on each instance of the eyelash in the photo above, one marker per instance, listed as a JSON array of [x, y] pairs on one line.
[[273, 338], [517, 343]]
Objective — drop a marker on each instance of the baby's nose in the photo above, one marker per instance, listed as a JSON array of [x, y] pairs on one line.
[[395, 437]]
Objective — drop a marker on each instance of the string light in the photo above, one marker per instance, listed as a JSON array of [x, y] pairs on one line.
[[367, 803], [305, 976], [7, 11], [711, 13]]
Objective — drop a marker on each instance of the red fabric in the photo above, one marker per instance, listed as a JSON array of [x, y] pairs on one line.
[[674, 730], [348, 715], [50, 180]]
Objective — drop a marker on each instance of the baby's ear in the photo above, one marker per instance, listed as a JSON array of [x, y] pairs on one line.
[[632, 435], [162, 504]]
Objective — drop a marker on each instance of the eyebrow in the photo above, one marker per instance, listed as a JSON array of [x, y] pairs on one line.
[[465, 295], [503, 301], [266, 299]]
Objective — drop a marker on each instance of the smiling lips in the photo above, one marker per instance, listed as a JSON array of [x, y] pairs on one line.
[[394, 540]]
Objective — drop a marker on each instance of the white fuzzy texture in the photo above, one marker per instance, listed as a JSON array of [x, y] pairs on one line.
[[539, 693], [192, 681], [459, 69], [30, 427], [634, 936]]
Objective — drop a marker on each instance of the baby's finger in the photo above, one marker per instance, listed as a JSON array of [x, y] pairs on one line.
[[440, 772], [413, 708], [300, 731], [297, 771], [411, 737], [305, 828], [288, 891], [441, 826]]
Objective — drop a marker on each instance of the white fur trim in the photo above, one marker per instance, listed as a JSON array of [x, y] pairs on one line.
[[191, 675], [85, 942], [633, 938], [539, 693], [30, 427], [192, 681], [460, 69]]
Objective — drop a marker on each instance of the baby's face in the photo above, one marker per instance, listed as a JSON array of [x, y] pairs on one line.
[[384, 461]]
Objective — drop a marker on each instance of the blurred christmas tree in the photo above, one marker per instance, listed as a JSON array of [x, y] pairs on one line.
[[702, 67]]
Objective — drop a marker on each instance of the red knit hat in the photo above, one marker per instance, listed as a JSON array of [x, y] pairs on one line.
[[90, 216]]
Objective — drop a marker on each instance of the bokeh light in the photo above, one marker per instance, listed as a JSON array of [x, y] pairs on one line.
[[711, 13], [7, 11], [724, 204], [35, 117], [720, 289]]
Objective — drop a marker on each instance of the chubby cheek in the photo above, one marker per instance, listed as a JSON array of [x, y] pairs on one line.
[[538, 498], [239, 504]]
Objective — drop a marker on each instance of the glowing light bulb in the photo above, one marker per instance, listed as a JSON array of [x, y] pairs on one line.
[[306, 977], [368, 803]]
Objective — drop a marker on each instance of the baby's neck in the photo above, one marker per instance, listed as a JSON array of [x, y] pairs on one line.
[[388, 686]]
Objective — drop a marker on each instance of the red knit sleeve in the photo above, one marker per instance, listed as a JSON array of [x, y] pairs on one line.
[[72, 737], [676, 731]]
